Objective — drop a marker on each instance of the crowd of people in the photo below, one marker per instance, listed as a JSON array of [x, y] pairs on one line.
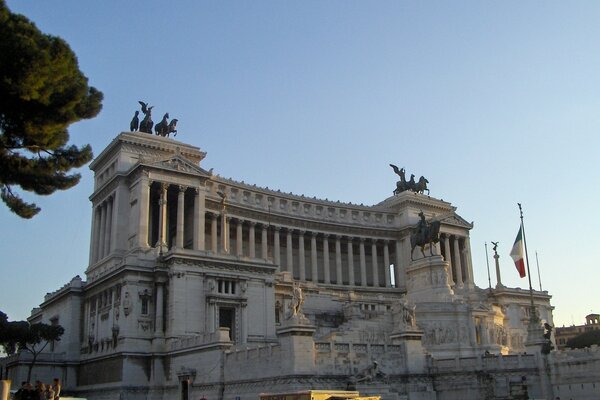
[[41, 391]]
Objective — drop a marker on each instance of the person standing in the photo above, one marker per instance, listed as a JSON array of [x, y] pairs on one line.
[[56, 387], [49, 392]]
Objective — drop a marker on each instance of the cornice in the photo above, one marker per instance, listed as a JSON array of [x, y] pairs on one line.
[[148, 141]]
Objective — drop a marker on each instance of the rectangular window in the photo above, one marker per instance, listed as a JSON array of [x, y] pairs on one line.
[[144, 305]]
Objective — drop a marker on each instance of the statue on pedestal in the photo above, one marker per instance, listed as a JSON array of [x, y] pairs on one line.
[[296, 303], [406, 316], [424, 233]]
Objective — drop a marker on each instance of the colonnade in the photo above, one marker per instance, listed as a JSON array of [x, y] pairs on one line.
[[456, 250], [175, 216], [102, 229], [309, 255]]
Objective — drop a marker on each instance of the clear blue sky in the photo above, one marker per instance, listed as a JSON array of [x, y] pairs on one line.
[[494, 102]]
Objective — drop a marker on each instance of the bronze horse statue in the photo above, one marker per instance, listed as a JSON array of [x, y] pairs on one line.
[[421, 186], [162, 127], [172, 126], [403, 185], [424, 233]]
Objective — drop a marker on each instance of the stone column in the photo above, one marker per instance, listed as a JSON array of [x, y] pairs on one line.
[[214, 239], [363, 262], [351, 278], [109, 212], [239, 239], [448, 254], [339, 278], [326, 271], [301, 257], [399, 267], [180, 214], [252, 240], [386, 263], [92, 236], [225, 222], [314, 270], [199, 219], [457, 263], [162, 219], [498, 277], [374, 263], [289, 259], [102, 235], [96, 234], [469, 268], [144, 204], [277, 247], [264, 242]]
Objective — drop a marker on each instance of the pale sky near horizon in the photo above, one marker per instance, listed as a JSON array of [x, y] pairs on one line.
[[493, 102]]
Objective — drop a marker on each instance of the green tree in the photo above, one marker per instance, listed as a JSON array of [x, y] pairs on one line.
[[585, 339], [31, 338], [42, 93]]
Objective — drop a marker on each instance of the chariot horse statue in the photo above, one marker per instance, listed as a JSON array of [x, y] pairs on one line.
[[424, 233], [403, 185]]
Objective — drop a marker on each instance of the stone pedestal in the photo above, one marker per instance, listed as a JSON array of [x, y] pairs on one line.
[[412, 349], [427, 280], [297, 344]]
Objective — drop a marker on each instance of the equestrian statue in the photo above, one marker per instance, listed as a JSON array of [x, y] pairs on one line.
[[425, 233]]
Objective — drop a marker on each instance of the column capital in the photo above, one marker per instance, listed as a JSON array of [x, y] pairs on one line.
[[276, 228], [252, 223], [164, 185], [362, 239], [182, 188], [326, 236], [314, 234], [301, 232]]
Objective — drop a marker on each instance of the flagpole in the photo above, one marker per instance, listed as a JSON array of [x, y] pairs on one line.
[[538, 268], [533, 313], [487, 259]]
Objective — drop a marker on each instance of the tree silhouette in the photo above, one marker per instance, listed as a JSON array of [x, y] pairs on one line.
[[42, 93], [31, 338]]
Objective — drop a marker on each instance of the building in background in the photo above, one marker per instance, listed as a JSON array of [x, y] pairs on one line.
[[592, 322]]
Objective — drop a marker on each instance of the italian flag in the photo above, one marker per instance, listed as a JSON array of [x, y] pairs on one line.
[[517, 253]]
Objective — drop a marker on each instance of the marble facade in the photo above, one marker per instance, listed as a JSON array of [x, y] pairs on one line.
[[190, 285]]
